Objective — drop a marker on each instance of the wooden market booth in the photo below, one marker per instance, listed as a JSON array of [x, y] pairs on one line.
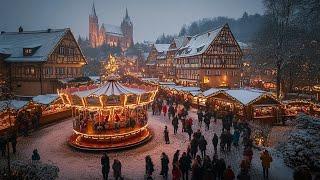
[[8, 112], [246, 104], [295, 106]]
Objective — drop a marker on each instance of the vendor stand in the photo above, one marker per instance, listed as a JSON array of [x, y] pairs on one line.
[[8, 112], [293, 107], [52, 107]]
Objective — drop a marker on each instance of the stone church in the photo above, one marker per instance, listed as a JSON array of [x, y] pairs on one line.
[[112, 35]]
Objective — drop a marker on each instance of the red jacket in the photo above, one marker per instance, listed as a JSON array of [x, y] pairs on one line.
[[164, 109], [228, 174], [176, 174]]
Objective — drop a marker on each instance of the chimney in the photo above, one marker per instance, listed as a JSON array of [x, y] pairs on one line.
[[2, 32], [208, 34], [49, 30], [20, 29]]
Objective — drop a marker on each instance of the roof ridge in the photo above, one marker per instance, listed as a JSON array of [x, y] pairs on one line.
[[37, 31]]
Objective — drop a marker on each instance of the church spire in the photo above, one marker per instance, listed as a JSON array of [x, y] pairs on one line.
[[93, 11], [127, 13]]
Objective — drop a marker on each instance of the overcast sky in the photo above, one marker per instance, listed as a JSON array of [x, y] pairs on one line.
[[151, 18]]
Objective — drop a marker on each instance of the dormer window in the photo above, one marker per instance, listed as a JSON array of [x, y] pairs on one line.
[[30, 50], [61, 50]]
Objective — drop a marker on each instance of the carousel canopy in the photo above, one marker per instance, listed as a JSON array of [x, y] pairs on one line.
[[109, 89], [12, 104], [45, 99]]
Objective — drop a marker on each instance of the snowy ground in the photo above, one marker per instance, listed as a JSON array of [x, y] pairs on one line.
[[51, 143]]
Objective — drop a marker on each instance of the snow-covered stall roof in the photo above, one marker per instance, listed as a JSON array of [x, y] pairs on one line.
[[198, 44], [211, 91], [109, 89], [45, 99], [43, 42], [245, 96], [180, 41], [12, 104], [187, 88], [167, 83]]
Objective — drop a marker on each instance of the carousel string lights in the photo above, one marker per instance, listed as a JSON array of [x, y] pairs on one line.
[[110, 116]]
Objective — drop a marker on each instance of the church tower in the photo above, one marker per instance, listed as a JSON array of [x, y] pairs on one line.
[[127, 29], [93, 27]]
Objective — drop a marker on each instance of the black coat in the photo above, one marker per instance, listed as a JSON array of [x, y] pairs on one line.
[[164, 164], [215, 140], [202, 144], [105, 162], [185, 163]]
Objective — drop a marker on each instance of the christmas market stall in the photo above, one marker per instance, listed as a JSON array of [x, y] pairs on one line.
[[52, 108], [295, 106], [8, 112], [247, 104]]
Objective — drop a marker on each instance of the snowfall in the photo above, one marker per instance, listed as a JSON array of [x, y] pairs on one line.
[[51, 143]]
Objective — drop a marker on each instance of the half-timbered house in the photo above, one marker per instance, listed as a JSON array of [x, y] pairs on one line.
[[211, 59], [156, 60], [37, 60]]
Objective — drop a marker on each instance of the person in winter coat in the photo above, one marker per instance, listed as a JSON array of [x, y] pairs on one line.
[[196, 170], [166, 135], [175, 124], [189, 132], [35, 155], [200, 117], [202, 146], [116, 166], [176, 158], [176, 174], [215, 140], [185, 165], [221, 167], [164, 165], [235, 138], [164, 110], [207, 169], [248, 153], [3, 144], [149, 166], [228, 174], [207, 120], [266, 159], [13, 140], [194, 147], [228, 140], [171, 112], [105, 163]]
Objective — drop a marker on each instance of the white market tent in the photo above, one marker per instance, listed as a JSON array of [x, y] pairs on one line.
[[211, 91], [45, 99]]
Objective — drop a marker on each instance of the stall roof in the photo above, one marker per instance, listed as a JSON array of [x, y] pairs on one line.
[[195, 93], [245, 96], [211, 91], [45, 99], [12, 104], [187, 88], [167, 83]]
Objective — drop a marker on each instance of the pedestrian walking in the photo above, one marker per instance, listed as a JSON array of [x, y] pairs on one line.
[[13, 140], [203, 146], [221, 167], [164, 165], [215, 140], [176, 158], [176, 174], [185, 165], [200, 117], [116, 167], [149, 167], [194, 147], [105, 163], [266, 160], [175, 124], [3, 144], [166, 135], [196, 169], [35, 155], [164, 110]]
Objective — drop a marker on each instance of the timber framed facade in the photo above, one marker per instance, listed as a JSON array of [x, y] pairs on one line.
[[39, 59]]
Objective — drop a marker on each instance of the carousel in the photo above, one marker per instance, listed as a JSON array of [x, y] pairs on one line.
[[110, 116]]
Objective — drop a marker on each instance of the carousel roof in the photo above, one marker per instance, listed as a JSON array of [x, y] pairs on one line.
[[109, 89], [45, 99]]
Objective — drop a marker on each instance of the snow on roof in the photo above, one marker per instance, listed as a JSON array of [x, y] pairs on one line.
[[195, 93], [12, 104], [162, 47], [187, 88], [211, 91], [95, 78], [45, 99], [243, 45], [245, 96], [198, 44], [179, 42], [109, 89], [112, 29], [167, 83], [46, 41]]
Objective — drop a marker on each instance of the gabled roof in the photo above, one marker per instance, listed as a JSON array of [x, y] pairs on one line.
[[179, 42], [162, 47], [113, 30], [198, 44], [45, 42], [45, 99]]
